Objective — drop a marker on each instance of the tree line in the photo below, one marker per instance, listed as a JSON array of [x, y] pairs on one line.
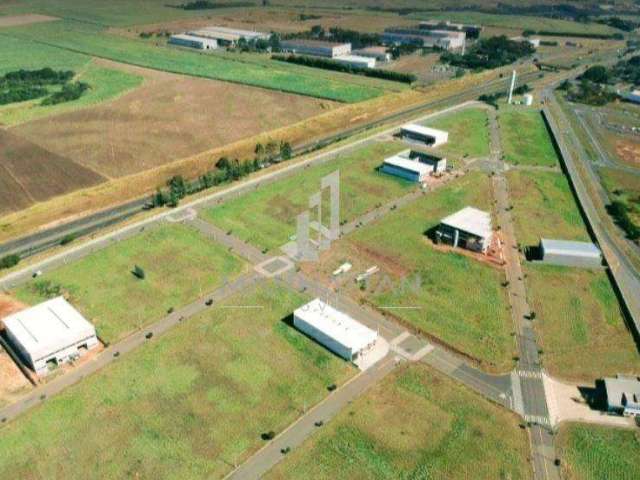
[[23, 85], [490, 53]]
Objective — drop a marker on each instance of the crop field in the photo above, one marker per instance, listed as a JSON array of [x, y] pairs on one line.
[[544, 206], [266, 217], [30, 55], [584, 335], [29, 173], [525, 139], [591, 452], [416, 423], [189, 404], [426, 288], [105, 84], [168, 118], [92, 40], [468, 133], [103, 288]]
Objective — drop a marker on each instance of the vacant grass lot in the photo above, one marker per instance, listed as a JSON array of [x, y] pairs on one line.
[[623, 187], [446, 294], [591, 452], [180, 266], [583, 331], [544, 206], [18, 53], [92, 40], [267, 216], [186, 405], [468, 133], [525, 140], [105, 83], [415, 424]]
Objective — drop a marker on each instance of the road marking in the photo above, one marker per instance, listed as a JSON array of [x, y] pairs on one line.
[[537, 419], [529, 374]]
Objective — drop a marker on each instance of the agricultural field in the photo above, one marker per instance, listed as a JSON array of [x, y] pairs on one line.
[[93, 40], [104, 289], [29, 173], [105, 84], [424, 287], [590, 452], [525, 139], [623, 187], [416, 423], [544, 206], [266, 217], [189, 404], [168, 118], [468, 133], [583, 331], [31, 55]]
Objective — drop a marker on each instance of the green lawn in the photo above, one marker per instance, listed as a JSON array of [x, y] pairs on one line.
[[468, 133], [180, 265], [525, 139], [29, 55], [446, 294], [92, 40], [591, 452], [267, 217], [106, 84], [584, 336], [186, 405], [544, 206], [415, 424]]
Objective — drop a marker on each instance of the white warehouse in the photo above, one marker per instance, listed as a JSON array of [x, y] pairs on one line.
[[318, 48], [52, 332], [414, 165], [468, 228], [570, 254], [192, 41], [335, 330], [429, 136], [356, 61]]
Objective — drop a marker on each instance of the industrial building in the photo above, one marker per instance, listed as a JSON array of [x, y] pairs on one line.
[[471, 31], [316, 48], [379, 53], [623, 395], [50, 333], [335, 330], [445, 39], [414, 165], [535, 42], [191, 41], [570, 254], [429, 136], [356, 61], [469, 228], [229, 36]]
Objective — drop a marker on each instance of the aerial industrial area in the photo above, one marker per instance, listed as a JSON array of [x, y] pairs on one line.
[[283, 240]]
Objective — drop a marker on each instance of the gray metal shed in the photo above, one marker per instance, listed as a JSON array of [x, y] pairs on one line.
[[570, 254]]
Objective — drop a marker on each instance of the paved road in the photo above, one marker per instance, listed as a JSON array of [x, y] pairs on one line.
[[116, 351]]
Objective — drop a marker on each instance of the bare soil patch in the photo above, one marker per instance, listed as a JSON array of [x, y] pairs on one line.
[[9, 306], [168, 118], [629, 152], [17, 20], [30, 173], [12, 381]]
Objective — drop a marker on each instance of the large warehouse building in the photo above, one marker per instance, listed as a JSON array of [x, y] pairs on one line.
[[570, 254], [414, 165], [52, 332], [335, 330], [191, 41], [228, 36], [445, 39], [429, 136], [469, 228], [316, 48]]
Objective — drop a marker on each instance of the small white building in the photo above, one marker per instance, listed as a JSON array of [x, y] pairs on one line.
[[429, 136], [570, 254], [335, 330], [192, 41], [379, 53], [52, 332], [528, 99], [414, 165], [356, 61], [623, 395], [469, 228]]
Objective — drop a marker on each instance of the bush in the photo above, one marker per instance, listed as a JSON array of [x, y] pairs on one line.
[[47, 289], [620, 213], [597, 74], [69, 92], [489, 53], [9, 261], [138, 272]]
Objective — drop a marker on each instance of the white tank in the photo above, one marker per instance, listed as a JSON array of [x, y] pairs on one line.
[[528, 99]]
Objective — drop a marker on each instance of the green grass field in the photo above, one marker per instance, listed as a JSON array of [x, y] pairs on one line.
[[468, 133], [415, 424], [29, 55], [525, 140], [189, 404], [180, 266], [591, 452], [544, 206], [106, 84], [584, 336], [623, 187], [93, 40], [429, 289], [267, 217]]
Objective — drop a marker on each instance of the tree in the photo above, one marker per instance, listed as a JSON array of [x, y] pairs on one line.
[[138, 272], [596, 74], [259, 150], [177, 186], [271, 149], [285, 150], [9, 261]]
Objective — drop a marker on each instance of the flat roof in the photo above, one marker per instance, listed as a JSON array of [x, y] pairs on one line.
[[307, 42], [372, 50], [224, 33], [355, 58], [423, 152], [422, 130], [408, 164], [48, 327], [337, 325], [566, 247], [470, 220], [192, 38], [626, 386]]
